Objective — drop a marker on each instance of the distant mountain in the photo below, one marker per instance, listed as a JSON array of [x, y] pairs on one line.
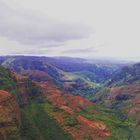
[[60, 65], [74, 75], [127, 75], [103, 71]]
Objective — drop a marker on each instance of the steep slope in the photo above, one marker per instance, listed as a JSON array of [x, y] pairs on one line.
[[47, 111], [40, 111], [36, 68], [125, 99], [9, 108], [66, 112], [88, 120], [74, 75], [123, 95], [36, 124], [16, 118], [127, 75], [9, 116], [7, 81], [95, 70]]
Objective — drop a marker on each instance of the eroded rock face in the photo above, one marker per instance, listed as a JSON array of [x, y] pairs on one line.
[[37, 75], [125, 98], [73, 105], [9, 115], [40, 93]]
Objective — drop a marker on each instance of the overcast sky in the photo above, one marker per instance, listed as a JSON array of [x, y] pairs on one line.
[[78, 28]]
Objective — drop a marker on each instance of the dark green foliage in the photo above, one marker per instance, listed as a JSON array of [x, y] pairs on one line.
[[31, 88], [7, 82], [121, 127], [37, 125], [71, 121]]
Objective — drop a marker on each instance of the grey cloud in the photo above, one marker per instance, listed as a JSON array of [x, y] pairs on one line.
[[81, 50], [33, 51], [32, 28]]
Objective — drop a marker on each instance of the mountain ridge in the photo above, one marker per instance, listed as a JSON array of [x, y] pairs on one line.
[[46, 93]]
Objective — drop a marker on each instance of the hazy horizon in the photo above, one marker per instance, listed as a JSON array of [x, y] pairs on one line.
[[91, 59]]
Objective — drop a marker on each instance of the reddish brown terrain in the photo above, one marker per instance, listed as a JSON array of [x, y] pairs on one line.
[[127, 98], [37, 105], [72, 105], [37, 75], [9, 115]]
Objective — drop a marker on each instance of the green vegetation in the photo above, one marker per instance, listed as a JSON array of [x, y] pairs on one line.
[[121, 126], [38, 125], [71, 121], [7, 82], [52, 111], [39, 118]]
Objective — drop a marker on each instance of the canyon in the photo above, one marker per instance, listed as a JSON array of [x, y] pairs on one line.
[[48, 98]]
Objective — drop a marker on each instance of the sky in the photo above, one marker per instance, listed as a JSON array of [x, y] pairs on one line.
[[76, 28]]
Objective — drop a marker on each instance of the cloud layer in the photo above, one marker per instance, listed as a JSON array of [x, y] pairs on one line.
[[34, 28], [54, 28]]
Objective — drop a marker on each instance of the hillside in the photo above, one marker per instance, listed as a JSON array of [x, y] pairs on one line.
[[47, 109], [71, 74], [123, 98], [58, 113], [16, 122], [123, 94], [9, 116], [125, 76], [97, 72]]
